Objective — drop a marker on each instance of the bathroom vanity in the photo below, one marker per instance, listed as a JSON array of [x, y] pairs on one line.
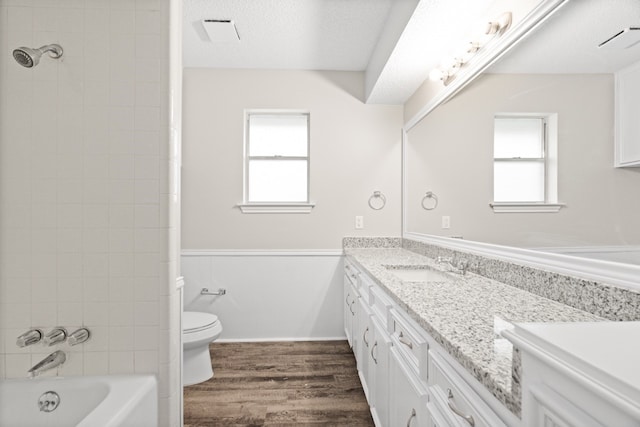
[[432, 350]]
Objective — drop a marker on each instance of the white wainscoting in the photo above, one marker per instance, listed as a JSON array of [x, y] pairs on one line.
[[270, 295]]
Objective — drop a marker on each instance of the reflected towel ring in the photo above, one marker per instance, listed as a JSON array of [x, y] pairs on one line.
[[432, 200], [377, 195]]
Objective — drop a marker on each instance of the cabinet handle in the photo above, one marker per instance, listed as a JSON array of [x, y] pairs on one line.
[[375, 344], [411, 417], [351, 308], [364, 337], [405, 341], [458, 412], [347, 299]]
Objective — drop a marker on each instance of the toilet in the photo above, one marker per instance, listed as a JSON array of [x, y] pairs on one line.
[[198, 331]]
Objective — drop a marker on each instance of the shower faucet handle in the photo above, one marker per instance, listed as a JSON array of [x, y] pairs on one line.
[[28, 338], [55, 336], [78, 336]]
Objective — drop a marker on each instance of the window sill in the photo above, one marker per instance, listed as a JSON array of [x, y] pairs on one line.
[[512, 207], [253, 208]]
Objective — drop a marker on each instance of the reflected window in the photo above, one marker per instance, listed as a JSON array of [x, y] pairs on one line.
[[277, 157], [524, 159]]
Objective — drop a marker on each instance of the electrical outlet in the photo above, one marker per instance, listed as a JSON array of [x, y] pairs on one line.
[[359, 222], [446, 222]]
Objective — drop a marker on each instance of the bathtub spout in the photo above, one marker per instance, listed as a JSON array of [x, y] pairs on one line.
[[53, 360]]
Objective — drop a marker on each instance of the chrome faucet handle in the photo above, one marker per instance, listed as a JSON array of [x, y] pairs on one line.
[[55, 336], [28, 338], [462, 264], [79, 336]]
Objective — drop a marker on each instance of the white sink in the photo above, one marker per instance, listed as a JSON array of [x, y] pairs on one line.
[[420, 274]]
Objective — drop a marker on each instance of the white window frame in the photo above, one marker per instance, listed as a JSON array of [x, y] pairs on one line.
[[275, 206], [550, 159]]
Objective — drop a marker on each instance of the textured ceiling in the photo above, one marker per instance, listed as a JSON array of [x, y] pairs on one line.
[[286, 34], [397, 42], [568, 41]]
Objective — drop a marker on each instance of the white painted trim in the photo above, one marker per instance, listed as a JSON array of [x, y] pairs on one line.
[[284, 339], [263, 252], [589, 249], [609, 272], [511, 207], [483, 61], [270, 208]]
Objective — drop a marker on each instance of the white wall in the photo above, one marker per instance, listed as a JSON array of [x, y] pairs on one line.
[[270, 295], [355, 150], [451, 153], [84, 196]]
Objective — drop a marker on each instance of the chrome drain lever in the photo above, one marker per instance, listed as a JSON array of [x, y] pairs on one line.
[[48, 401]]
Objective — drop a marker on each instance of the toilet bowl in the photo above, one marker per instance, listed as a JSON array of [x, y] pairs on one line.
[[198, 331]]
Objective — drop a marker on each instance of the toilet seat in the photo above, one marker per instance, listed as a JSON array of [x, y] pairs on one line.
[[193, 321]]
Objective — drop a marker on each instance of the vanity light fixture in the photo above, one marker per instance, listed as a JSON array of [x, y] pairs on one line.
[[494, 29]]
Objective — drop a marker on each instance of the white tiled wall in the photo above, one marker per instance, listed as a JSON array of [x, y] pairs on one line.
[[84, 189]]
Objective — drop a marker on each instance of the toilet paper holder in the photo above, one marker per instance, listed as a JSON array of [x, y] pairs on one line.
[[205, 291]]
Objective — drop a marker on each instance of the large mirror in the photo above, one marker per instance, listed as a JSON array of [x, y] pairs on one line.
[[560, 74]]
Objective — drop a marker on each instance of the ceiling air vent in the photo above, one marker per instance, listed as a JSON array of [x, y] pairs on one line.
[[221, 30], [622, 40]]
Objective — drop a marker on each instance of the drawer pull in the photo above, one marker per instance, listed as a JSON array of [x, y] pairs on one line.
[[411, 417], [364, 337], [405, 341], [351, 308], [375, 344], [347, 299], [458, 412]]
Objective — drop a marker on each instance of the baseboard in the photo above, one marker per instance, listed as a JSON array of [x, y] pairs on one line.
[[282, 339]]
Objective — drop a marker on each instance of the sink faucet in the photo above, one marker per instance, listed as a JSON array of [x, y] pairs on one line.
[[53, 360], [459, 267]]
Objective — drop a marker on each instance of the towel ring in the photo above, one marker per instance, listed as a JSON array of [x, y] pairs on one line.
[[377, 195], [431, 199]]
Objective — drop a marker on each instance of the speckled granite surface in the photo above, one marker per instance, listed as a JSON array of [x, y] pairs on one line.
[[372, 242], [601, 299], [465, 315]]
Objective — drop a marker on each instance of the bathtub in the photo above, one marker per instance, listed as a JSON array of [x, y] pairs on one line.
[[99, 401]]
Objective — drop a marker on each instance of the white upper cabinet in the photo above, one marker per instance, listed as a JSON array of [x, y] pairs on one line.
[[627, 112]]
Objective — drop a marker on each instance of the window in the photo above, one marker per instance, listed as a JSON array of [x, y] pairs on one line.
[[276, 162], [525, 163]]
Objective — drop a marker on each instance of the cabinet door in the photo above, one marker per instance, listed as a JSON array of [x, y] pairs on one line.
[[627, 135], [379, 372], [354, 307], [347, 310], [365, 335], [408, 397]]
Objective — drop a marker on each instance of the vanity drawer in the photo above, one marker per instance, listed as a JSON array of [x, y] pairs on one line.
[[455, 399], [380, 305], [410, 344], [352, 274]]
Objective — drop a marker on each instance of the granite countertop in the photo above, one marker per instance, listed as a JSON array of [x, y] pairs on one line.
[[466, 314]]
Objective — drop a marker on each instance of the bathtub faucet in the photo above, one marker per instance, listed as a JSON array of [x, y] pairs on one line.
[[53, 360]]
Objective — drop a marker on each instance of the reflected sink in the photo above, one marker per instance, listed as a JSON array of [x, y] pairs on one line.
[[413, 274]]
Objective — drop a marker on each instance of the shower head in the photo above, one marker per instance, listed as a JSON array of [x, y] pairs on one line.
[[28, 57]]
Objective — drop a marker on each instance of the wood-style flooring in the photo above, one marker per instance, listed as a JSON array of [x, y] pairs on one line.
[[279, 384]]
